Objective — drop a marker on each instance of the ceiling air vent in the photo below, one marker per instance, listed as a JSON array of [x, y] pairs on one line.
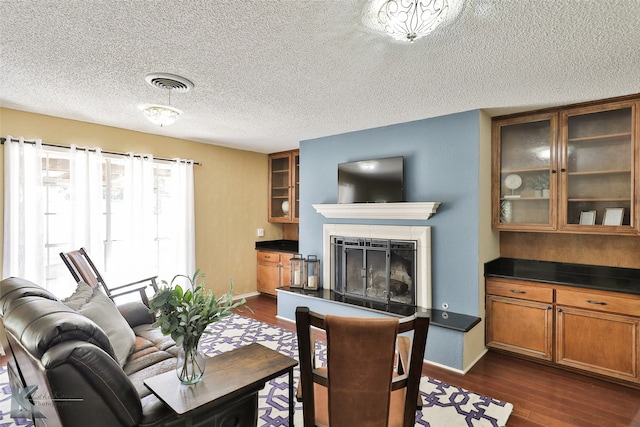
[[169, 82]]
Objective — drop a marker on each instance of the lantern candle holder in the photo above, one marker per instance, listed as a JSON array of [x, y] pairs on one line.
[[312, 269], [298, 272]]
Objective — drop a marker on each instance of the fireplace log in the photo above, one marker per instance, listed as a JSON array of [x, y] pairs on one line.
[[397, 287]]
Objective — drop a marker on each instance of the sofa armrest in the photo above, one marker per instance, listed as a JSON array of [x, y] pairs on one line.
[[82, 371], [136, 314]]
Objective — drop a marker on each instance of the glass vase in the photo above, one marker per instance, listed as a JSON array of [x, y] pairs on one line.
[[190, 364]]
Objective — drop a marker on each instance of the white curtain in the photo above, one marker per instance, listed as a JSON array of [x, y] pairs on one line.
[[131, 247], [24, 252], [183, 202], [86, 203]]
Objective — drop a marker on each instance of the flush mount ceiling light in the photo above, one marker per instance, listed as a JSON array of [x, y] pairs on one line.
[[161, 115], [409, 20], [165, 115]]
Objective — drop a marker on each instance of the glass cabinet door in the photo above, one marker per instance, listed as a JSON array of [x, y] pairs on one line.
[[279, 188], [597, 172], [296, 187], [284, 186], [524, 173]]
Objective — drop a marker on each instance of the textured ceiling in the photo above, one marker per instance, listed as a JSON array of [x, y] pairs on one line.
[[268, 74]]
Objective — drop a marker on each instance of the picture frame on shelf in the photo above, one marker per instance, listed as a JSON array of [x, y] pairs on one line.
[[613, 216], [587, 217]]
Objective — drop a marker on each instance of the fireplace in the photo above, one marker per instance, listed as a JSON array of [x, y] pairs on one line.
[[379, 264], [379, 270]]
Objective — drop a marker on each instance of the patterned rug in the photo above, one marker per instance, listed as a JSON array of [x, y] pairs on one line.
[[444, 405]]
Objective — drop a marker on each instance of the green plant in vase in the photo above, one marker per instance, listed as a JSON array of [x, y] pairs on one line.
[[185, 315]]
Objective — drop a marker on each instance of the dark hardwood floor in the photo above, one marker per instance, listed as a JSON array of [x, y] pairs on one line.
[[542, 396]]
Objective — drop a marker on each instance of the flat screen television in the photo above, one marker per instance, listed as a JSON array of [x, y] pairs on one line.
[[371, 181]]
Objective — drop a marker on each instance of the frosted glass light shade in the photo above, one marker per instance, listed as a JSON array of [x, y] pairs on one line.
[[411, 19], [161, 115]]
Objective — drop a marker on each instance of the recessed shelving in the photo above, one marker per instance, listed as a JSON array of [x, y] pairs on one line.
[[600, 172], [604, 137], [524, 170]]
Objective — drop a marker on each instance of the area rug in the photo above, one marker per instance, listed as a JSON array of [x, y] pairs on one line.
[[444, 405]]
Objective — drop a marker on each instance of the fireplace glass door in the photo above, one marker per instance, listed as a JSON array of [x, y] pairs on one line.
[[375, 269]]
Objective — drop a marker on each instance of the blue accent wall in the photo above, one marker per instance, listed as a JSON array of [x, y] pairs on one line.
[[441, 164]]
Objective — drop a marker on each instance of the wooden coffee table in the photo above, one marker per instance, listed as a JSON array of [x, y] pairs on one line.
[[229, 378]]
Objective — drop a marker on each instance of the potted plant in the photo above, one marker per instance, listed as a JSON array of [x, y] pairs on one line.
[[540, 183], [184, 314]]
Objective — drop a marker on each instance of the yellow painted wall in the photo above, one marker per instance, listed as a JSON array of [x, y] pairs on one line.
[[230, 189]]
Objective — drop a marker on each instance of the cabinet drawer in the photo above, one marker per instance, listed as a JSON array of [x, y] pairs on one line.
[[599, 302], [520, 291], [264, 256]]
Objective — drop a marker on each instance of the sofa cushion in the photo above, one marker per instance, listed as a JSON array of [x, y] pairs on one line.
[[95, 305], [80, 296]]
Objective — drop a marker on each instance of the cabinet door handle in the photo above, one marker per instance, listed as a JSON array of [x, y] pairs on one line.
[[559, 310], [553, 171], [563, 170], [596, 302], [549, 307], [515, 291]]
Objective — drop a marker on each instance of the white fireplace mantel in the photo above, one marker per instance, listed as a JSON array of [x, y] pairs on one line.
[[402, 210]]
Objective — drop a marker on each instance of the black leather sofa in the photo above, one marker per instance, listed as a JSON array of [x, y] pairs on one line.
[[73, 364]]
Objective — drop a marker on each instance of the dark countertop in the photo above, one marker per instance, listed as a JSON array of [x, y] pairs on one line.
[[614, 279], [444, 319], [278, 245]]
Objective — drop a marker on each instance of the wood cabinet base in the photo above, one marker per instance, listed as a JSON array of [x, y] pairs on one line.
[[584, 330], [567, 368], [273, 271], [521, 326]]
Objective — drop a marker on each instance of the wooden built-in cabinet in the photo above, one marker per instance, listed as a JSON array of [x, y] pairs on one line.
[[520, 318], [565, 169], [274, 271], [284, 187], [598, 332], [593, 331]]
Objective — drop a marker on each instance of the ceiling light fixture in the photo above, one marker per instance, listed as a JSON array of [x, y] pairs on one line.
[[165, 115], [161, 115], [409, 20]]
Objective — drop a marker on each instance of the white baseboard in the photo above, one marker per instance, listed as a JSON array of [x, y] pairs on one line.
[[250, 294], [285, 319], [477, 359]]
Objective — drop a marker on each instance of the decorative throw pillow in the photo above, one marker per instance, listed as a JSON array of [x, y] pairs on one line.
[[95, 305], [80, 296]]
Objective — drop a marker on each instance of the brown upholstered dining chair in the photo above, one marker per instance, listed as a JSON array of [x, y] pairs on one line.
[[372, 375], [83, 269]]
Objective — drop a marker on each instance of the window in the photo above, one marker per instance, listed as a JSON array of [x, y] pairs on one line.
[[132, 214]]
